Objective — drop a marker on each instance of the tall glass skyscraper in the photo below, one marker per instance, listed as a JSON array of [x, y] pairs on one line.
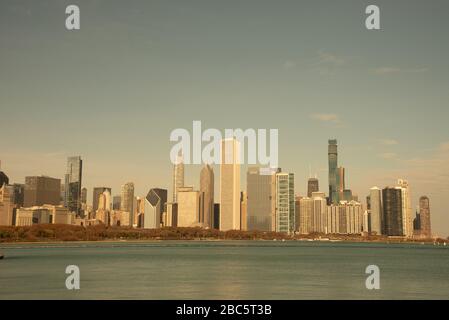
[[333, 162], [73, 184]]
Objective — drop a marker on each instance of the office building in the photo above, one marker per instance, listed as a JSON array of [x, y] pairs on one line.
[[97, 191], [207, 196], [41, 190], [154, 207], [375, 210], [230, 185], [305, 215], [407, 219], [260, 188], [312, 186], [127, 200], [178, 175], [424, 214], [188, 207], [73, 181]]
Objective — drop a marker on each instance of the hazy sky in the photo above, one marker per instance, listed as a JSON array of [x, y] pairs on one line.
[[113, 91]]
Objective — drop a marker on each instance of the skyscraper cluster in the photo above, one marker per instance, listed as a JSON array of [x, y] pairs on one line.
[[269, 202]]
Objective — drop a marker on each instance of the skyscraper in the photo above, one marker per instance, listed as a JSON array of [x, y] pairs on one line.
[[116, 201], [392, 211], [178, 176], [83, 196], [285, 202], [188, 207], [207, 196], [319, 216], [312, 186], [407, 218], [154, 207], [305, 215], [261, 195], [424, 217], [97, 191], [333, 161], [73, 184], [230, 185], [375, 209], [41, 190], [127, 200]]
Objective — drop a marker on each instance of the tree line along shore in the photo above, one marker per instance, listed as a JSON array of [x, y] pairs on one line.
[[55, 233]]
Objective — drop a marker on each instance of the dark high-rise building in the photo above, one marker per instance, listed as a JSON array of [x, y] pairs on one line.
[[3, 177], [18, 194], [392, 211], [207, 196], [417, 223], [41, 190], [96, 196], [73, 184], [424, 213], [83, 196], [216, 216], [260, 199], [333, 162], [312, 186], [116, 201]]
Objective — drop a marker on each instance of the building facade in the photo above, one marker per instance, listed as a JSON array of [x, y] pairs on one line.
[[230, 185]]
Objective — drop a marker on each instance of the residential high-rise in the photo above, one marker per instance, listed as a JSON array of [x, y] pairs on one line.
[[127, 200], [285, 202], [261, 197], [230, 185], [305, 215], [407, 218], [97, 191], [188, 207], [154, 207], [178, 175], [319, 216], [424, 217], [312, 186], [392, 211], [333, 162], [375, 210], [73, 184], [207, 196], [41, 190]]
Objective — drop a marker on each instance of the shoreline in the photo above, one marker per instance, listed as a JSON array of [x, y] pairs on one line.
[[142, 241]]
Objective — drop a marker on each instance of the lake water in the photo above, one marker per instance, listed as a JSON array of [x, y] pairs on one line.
[[224, 270]]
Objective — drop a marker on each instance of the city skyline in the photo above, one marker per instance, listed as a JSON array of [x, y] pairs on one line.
[[138, 71]]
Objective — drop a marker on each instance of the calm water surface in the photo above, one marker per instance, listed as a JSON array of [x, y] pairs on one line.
[[224, 270]]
